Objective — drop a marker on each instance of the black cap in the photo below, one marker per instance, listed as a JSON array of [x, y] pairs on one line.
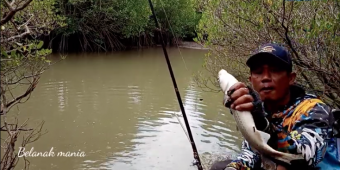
[[272, 53]]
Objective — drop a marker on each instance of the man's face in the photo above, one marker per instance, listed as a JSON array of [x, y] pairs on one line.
[[271, 81]]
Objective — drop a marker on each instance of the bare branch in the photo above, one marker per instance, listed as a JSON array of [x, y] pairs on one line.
[[27, 31], [19, 98], [12, 3], [19, 36], [12, 11]]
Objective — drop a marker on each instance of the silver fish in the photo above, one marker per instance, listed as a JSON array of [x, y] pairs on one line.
[[245, 123]]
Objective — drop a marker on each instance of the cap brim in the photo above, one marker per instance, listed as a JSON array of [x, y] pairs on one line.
[[265, 58]]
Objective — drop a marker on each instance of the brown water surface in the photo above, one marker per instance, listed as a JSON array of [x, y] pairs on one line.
[[119, 109]]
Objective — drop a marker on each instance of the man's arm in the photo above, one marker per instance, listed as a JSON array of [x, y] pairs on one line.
[[246, 159], [309, 129]]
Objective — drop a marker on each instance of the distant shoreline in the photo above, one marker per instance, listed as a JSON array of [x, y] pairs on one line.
[[181, 44], [189, 44], [192, 45]]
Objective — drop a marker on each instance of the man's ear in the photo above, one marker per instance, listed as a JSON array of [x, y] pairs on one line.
[[292, 77], [250, 80]]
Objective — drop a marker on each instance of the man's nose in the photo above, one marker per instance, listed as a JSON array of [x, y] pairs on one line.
[[266, 75]]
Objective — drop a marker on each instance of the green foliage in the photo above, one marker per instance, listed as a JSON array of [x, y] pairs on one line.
[[136, 15], [41, 19], [310, 30], [18, 44], [106, 22], [23, 60], [178, 16], [23, 56]]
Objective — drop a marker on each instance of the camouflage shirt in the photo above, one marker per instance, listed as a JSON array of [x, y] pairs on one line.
[[301, 127]]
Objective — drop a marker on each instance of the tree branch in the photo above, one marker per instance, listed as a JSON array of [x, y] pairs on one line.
[[12, 11], [18, 99], [22, 34], [18, 36]]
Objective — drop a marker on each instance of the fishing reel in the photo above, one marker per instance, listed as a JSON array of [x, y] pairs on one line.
[[336, 123]]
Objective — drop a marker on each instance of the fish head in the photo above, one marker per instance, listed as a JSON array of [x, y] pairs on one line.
[[226, 80]]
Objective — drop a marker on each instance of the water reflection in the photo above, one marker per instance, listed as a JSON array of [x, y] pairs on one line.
[[61, 95], [134, 95], [119, 108], [162, 143]]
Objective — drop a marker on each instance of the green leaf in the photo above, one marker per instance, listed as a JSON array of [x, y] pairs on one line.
[[318, 23], [41, 43], [3, 52], [13, 53]]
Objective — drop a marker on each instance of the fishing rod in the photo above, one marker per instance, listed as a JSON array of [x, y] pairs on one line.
[[197, 158]]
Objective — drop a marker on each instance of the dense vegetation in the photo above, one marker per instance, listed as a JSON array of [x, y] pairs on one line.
[[31, 29], [101, 25], [23, 60], [310, 30]]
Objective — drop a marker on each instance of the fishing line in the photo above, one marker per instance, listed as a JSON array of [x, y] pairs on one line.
[[173, 34], [167, 20], [180, 53], [179, 121], [198, 161]]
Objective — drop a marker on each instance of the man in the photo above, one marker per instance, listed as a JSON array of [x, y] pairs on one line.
[[299, 123]]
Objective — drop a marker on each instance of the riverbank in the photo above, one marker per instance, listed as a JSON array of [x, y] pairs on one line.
[[72, 45], [181, 44], [190, 44]]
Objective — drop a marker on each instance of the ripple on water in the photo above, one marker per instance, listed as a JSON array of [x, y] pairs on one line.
[[151, 145], [138, 123]]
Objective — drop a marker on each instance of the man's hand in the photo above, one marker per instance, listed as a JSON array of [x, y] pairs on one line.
[[241, 99]]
